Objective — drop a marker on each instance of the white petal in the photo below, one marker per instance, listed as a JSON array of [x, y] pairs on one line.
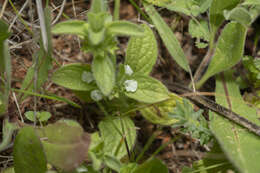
[[96, 95], [128, 70], [131, 85], [87, 77]]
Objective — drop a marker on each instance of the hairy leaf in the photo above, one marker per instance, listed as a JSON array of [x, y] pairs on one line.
[[28, 152], [159, 113], [141, 53], [149, 90], [240, 145], [65, 145], [239, 14], [77, 27], [125, 28], [111, 130], [169, 39], [104, 74], [216, 16], [74, 76], [229, 50]]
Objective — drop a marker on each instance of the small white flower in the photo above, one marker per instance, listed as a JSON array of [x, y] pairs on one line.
[[131, 85], [128, 70], [96, 95], [87, 77]]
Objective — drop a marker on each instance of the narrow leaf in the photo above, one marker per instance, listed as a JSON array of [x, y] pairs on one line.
[[149, 90], [141, 53], [77, 27], [240, 146], [229, 50], [169, 39], [28, 152], [104, 74], [74, 76], [125, 28]]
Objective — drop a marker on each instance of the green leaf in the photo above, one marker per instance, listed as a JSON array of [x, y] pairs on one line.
[[7, 131], [77, 27], [152, 165], [95, 151], [41, 116], [240, 145], [169, 39], [65, 145], [112, 162], [239, 14], [159, 113], [96, 21], [141, 53], [228, 52], [98, 6], [199, 31], [28, 152], [9, 170], [111, 130], [74, 76], [104, 74], [149, 90], [216, 17], [129, 168], [251, 2], [125, 28]]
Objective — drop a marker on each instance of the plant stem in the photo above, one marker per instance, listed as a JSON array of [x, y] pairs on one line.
[[147, 145], [116, 9], [140, 11]]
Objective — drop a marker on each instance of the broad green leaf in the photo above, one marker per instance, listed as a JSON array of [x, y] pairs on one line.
[[169, 39], [149, 90], [141, 53], [125, 28], [229, 50], [240, 145], [152, 165], [28, 152], [112, 162], [159, 113], [74, 76], [129, 168], [111, 130], [41, 116], [104, 74], [239, 14], [216, 17], [77, 27], [65, 145]]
